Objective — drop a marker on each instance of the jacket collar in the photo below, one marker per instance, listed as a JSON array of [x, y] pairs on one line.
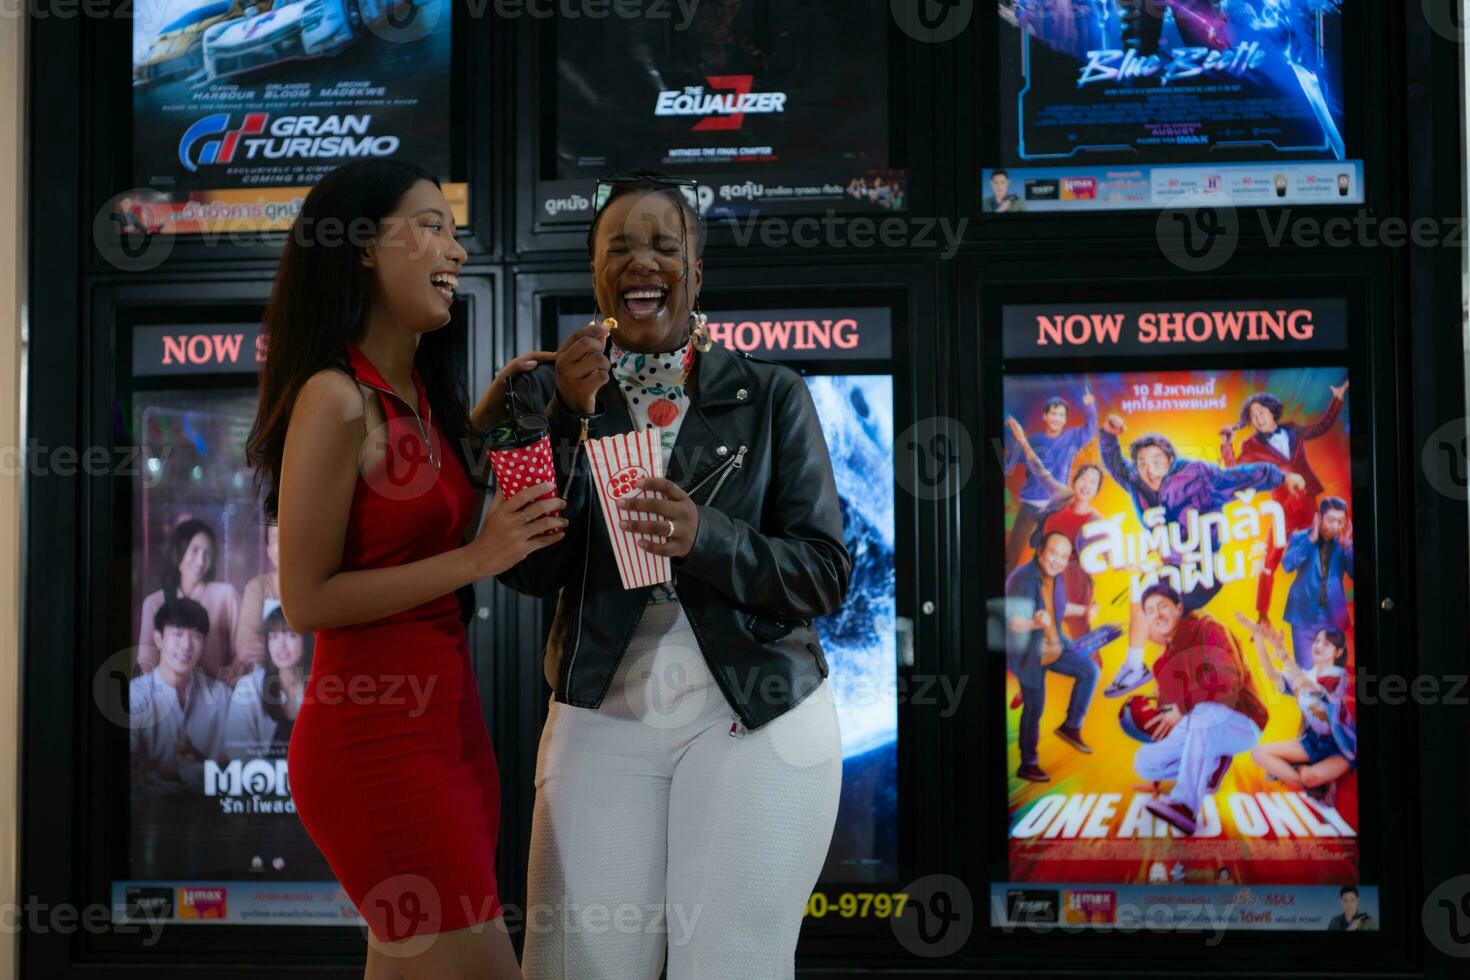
[[368, 374], [721, 376]]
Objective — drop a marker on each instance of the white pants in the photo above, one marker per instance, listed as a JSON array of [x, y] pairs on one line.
[[655, 827], [1198, 751]]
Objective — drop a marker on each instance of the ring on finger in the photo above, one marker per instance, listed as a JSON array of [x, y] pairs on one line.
[[670, 532]]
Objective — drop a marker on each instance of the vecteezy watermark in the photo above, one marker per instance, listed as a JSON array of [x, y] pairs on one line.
[[628, 918], [753, 685], [406, 22], [1446, 458], [932, 21], [35, 917], [937, 917], [401, 459], [684, 10], [1362, 230], [1446, 917], [408, 909], [1199, 232], [118, 462], [1422, 690], [117, 700], [127, 230], [1446, 18], [670, 694], [112, 694], [132, 229], [926, 690], [1038, 910], [840, 232], [934, 458], [66, 9]]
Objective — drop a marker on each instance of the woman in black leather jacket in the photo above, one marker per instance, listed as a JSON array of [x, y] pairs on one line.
[[691, 757]]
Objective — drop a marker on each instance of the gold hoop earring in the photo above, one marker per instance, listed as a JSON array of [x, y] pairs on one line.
[[699, 333]]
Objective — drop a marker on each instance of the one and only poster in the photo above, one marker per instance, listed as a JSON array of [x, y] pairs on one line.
[[240, 106], [773, 107], [1113, 104], [1178, 619]]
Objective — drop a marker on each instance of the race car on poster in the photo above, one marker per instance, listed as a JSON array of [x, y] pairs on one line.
[[178, 49], [291, 29]]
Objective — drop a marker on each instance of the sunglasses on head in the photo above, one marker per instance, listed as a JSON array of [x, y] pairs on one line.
[[607, 182]]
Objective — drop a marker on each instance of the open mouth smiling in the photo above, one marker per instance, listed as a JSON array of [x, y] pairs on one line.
[[446, 283], [645, 302]]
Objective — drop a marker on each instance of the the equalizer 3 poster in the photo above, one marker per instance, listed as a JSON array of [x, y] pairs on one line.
[[772, 105]]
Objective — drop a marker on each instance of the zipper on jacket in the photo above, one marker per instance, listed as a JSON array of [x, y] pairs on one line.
[[718, 471], [735, 464], [586, 560], [738, 728]]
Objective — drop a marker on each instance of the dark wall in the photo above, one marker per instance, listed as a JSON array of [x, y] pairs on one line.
[[1408, 306]]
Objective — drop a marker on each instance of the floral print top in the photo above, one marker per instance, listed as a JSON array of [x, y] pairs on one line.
[[653, 386]]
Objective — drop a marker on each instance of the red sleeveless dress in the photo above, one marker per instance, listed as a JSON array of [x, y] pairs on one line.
[[391, 768]]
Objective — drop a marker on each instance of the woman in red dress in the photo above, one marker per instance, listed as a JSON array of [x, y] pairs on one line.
[[358, 442]]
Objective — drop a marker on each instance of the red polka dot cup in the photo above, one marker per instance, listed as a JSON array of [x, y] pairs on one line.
[[519, 450]]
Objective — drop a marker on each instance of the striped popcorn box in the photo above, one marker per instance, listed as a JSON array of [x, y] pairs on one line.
[[618, 463]]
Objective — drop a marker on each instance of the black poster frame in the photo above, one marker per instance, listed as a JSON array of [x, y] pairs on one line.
[[1381, 491]]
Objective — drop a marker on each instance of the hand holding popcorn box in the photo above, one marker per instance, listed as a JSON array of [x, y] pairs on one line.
[[619, 462]]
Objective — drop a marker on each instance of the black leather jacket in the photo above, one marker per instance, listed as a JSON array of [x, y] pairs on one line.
[[767, 559]]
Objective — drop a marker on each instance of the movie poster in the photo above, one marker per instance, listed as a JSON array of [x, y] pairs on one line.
[[1112, 104], [240, 106], [773, 106], [213, 834], [1178, 619], [861, 638]]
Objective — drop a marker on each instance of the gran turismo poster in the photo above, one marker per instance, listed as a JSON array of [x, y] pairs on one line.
[[240, 106]]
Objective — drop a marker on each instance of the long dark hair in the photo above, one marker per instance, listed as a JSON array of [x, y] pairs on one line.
[[319, 301], [177, 546], [272, 693]]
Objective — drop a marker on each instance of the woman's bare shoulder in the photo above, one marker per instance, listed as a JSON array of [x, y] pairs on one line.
[[333, 406], [331, 388]]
